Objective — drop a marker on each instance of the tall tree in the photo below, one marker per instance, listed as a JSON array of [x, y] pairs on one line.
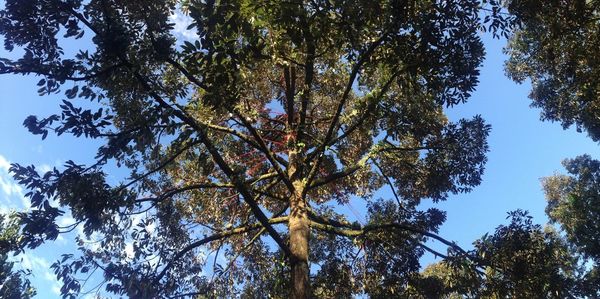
[[279, 113]]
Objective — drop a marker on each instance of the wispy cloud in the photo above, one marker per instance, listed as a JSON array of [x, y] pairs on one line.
[[10, 189], [34, 262]]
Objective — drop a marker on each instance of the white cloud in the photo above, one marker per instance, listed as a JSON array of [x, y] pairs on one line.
[[6, 182], [49, 276], [11, 189], [33, 262], [151, 228], [66, 220], [182, 21], [4, 164]]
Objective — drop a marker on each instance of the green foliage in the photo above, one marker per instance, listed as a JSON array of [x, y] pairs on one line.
[[280, 112], [555, 47], [573, 202], [13, 284], [520, 260], [523, 260]]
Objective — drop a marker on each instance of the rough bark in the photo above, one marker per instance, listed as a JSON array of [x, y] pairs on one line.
[[299, 235], [299, 226]]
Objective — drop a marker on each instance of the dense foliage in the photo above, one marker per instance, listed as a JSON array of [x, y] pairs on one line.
[[247, 142], [520, 260], [573, 204], [279, 113], [555, 48]]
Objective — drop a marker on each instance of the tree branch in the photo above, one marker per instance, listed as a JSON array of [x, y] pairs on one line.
[[159, 167], [334, 176], [263, 148], [370, 107], [217, 236], [319, 152], [389, 182], [13, 70], [176, 191], [357, 231], [233, 176]]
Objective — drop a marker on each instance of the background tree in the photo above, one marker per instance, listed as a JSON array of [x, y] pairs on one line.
[[13, 283], [573, 204], [555, 47], [520, 260], [278, 114]]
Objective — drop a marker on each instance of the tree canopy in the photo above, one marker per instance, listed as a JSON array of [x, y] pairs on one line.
[[555, 48], [244, 144], [520, 260]]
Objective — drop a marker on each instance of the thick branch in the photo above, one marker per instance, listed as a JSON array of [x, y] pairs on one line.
[[187, 74], [335, 176], [233, 132], [370, 108], [347, 171], [308, 80], [265, 149], [289, 75], [233, 176]]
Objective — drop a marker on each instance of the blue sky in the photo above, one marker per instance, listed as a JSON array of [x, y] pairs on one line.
[[522, 150]]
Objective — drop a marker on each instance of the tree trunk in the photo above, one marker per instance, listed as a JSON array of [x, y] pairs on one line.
[[299, 228], [299, 235]]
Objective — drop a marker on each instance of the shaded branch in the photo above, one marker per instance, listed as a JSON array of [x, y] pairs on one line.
[[159, 167], [341, 104], [24, 71], [174, 192], [370, 108], [389, 182], [334, 176], [358, 231], [214, 237], [268, 153]]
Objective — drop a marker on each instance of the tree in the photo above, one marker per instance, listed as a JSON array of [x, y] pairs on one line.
[[573, 204], [555, 48], [13, 284], [279, 113], [520, 260]]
